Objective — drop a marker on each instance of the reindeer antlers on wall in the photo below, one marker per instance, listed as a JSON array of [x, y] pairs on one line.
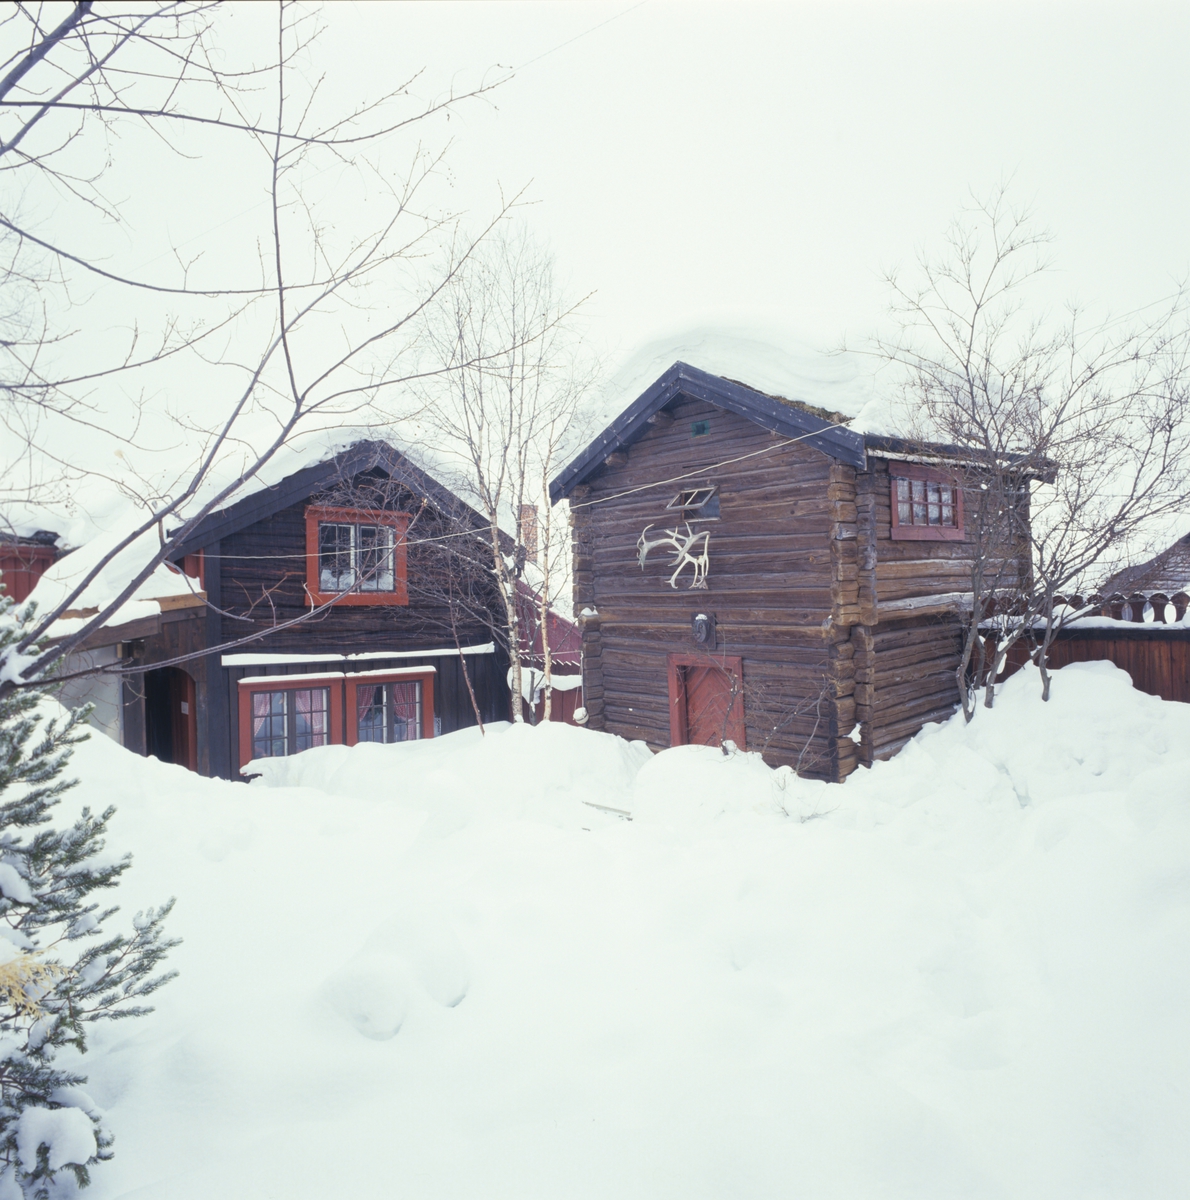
[[683, 548]]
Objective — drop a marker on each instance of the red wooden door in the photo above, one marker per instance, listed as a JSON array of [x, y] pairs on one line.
[[706, 701], [183, 719]]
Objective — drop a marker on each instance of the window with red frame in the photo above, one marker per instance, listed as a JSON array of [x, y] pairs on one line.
[[288, 720], [356, 555], [389, 712], [282, 715], [390, 706], [926, 504]]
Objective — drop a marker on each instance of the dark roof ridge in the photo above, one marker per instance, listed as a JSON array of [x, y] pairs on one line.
[[357, 458], [778, 415]]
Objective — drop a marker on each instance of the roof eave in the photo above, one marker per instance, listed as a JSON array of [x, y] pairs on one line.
[[682, 379], [357, 458]]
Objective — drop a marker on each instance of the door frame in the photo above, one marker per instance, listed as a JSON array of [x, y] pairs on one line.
[[676, 663]]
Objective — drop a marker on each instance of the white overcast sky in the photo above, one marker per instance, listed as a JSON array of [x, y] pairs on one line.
[[756, 165], [743, 169]]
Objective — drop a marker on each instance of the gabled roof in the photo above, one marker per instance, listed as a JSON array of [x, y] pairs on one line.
[[782, 417], [1168, 572], [361, 457]]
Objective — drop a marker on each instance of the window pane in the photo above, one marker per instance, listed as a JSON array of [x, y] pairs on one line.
[[405, 706], [376, 558], [948, 515], [919, 489], [904, 513], [371, 713], [902, 489], [268, 725], [311, 717], [336, 546]]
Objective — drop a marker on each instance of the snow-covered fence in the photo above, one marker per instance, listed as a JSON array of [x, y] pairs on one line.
[[1145, 634], [1137, 607]]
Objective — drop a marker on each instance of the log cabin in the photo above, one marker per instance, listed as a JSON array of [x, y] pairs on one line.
[[317, 611], [747, 568]]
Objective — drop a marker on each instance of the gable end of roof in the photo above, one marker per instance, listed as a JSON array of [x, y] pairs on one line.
[[363, 456], [682, 379]]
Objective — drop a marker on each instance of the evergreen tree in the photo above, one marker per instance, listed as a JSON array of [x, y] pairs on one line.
[[59, 971]]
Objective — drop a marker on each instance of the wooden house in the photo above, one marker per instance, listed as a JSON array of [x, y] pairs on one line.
[[319, 611], [24, 560], [748, 568]]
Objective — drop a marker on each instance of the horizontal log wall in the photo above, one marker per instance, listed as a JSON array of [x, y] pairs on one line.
[[772, 584], [905, 665], [801, 561]]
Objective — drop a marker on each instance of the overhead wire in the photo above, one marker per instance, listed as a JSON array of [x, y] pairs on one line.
[[727, 462]]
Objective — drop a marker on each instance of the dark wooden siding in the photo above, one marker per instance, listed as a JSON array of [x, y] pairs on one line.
[[262, 576], [772, 572], [262, 581], [906, 658]]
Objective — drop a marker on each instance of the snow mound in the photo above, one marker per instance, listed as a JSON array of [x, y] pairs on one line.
[[401, 962], [966, 976], [691, 785], [546, 772]]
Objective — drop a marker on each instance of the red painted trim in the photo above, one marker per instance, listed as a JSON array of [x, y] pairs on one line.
[[924, 533], [285, 683], [22, 566], [675, 664], [425, 678], [194, 565], [398, 520]]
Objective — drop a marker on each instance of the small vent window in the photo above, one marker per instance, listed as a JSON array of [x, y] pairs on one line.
[[700, 428], [701, 504]]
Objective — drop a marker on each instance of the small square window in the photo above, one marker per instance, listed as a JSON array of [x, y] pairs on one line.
[[288, 722], [697, 504], [926, 504], [356, 556], [389, 712], [700, 428]]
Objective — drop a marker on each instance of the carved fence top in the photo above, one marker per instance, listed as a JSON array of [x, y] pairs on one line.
[[1138, 608]]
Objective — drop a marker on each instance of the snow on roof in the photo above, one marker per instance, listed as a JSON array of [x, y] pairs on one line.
[[774, 362], [114, 521]]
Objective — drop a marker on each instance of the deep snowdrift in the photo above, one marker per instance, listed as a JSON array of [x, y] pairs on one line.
[[447, 969]]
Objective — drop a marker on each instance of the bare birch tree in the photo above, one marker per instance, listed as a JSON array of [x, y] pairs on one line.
[[1069, 440], [250, 355], [505, 409]]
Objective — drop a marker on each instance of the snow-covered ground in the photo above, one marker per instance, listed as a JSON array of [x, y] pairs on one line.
[[442, 970]]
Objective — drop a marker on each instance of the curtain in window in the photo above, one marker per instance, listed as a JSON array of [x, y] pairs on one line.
[[406, 707], [389, 712], [311, 718], [372, 713], [269, 712]]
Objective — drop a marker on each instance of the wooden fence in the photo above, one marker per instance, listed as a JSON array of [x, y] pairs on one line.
[[1154, 652]]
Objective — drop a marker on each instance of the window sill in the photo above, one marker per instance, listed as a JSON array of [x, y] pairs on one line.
[[401, 596], [927, 533]]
